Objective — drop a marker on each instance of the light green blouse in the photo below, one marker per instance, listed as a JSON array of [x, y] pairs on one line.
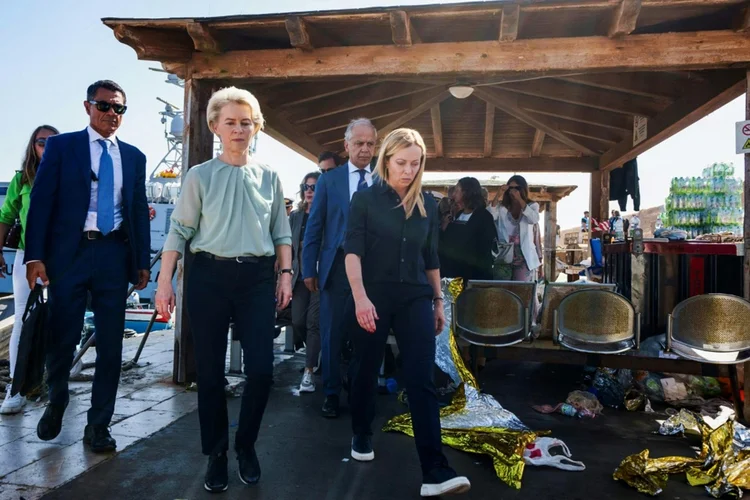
[[16, 205], [230, 211]]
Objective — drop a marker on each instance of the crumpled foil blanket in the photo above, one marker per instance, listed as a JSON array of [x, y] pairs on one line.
[[722, 465], [473, 422]]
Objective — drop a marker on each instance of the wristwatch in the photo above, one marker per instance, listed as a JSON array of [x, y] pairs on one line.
[[289, 271]]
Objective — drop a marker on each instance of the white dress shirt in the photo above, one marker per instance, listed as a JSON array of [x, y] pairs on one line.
[[96, 152], [354, 178]]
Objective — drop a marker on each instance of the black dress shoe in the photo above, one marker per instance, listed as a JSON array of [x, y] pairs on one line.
[[217, 476], [331, 407], [249, 468], [50, 424], [98, 439]]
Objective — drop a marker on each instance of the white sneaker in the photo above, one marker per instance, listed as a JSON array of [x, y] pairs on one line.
[[12, 404], [444, 481], [308, 384]]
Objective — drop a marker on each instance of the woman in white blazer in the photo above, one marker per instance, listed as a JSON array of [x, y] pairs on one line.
[[516, 217]]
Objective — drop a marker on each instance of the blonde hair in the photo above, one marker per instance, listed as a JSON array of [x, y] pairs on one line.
[[224, 96], [393, 143]]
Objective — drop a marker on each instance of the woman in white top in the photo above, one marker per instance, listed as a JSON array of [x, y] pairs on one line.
[[515, 225]]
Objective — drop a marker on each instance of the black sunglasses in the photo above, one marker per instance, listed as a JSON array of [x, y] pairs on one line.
[[105, 106], [513, 187], [41, 142], [305, 187]]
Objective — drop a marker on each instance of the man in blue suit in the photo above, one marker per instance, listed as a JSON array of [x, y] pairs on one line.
[[88, 231], [323, 253]]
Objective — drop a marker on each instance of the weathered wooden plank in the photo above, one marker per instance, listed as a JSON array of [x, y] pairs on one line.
[[541, 164], [153, 45], [659, 86], [601, 134], [665, 51], [510, 107], [304, 92], [437, 129], [509, 23], [299, 37], [400, 28], [550, 241], [745, 23], [203, 38], [435, 98], [684, 112], [489, 129], [600, 118], [599, 206], [625, 18], [536, 146]]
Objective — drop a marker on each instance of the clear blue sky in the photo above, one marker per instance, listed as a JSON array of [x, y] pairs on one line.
[[52, 50]]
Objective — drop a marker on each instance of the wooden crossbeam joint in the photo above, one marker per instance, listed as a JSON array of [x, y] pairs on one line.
[[401, 28], [625, 18], [299, 36], [203, 39], [489, 129], [536, 146], [509, 23]]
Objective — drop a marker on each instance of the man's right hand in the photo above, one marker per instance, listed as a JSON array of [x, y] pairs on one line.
[[36, 270], [311, 284]]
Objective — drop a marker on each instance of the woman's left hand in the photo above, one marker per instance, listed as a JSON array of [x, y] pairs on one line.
[[284, 291], [439, 317]]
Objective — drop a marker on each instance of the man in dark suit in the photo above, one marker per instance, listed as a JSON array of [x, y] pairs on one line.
[[88, 231], [324, 237]]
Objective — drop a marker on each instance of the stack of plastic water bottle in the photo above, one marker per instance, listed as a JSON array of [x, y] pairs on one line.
[[710, 204]]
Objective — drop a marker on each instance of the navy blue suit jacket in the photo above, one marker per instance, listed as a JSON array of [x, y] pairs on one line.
[[326, 225], [60, 203]]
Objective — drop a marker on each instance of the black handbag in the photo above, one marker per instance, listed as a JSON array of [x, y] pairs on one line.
[[32, 346], [13, 239]]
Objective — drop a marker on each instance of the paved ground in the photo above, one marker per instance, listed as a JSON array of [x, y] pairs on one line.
[[304, 456]]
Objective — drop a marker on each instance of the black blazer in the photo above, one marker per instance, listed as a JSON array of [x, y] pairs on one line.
[[466, 247]]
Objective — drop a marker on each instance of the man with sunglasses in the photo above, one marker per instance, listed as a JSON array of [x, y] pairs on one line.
[[88, 232], [327, 161]]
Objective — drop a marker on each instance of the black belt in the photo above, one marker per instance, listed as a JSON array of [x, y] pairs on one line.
[[251, 259], [97, 235]]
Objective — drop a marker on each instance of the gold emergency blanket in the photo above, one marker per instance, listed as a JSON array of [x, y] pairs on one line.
[[722, 466], [473, 422]]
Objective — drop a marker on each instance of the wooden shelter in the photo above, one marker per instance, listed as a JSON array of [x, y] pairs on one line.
[[557, 85]]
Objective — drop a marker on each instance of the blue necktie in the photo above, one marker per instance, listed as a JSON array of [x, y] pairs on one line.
[[105, 200], [362, 181]]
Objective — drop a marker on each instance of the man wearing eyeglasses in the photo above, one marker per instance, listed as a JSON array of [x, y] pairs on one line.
[[88, 232]]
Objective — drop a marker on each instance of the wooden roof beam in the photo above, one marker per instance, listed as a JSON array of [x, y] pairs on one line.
[[542, 164], [683, 113], [437, 129], [600, 118], [401, 30], [659, 86], [203, 38], [509, 23], [299, 36], [436, 97], [745, 23], [278, 127], [536, 146], [153, 45], [489, 129], [296, 93], [511, 108], [625, 18], [650, 52]]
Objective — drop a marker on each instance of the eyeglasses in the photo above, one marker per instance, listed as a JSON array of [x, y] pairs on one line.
[[105, 106], [513, 187], [41, 142], [307, 187]]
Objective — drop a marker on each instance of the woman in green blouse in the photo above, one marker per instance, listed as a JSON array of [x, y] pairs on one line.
[[16, 207], [231, 209]]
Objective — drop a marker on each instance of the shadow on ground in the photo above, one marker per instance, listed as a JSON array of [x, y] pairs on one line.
[[304, 456]]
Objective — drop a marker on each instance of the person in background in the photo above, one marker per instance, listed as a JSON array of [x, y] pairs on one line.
[[16, 207], [305, 304], [585, 222], [328, 160], [515, 225], [467, 242], [231, 209], [288, 205], [88, 230], [323, 253], [392, 266]]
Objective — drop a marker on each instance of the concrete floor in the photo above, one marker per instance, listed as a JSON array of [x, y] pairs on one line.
[[304, 456]]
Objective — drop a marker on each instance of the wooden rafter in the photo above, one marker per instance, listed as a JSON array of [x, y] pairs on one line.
[[546, 125], [684, 112], [299, 37], [203, 39], [664, 51], [303, 92], [745, 22], [509, 23], [660, 87], [625, 18], [536, 146], [437, 129], [601, 134], [489, 129], [547, 107], [542, 164], [436, 97], [373, 111], [401, 28]]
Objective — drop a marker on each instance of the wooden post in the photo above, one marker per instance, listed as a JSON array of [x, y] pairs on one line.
[[600, 195], [747, 246], [550, 241], [197, 148]]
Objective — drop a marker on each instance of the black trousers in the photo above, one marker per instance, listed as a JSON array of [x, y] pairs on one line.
[[217, 293], [334, 332], [412, 320], [99, 267]]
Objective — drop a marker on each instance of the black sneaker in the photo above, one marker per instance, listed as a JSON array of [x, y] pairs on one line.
[[331, 406], [98, 439], [443, 481], [249, 468], [217, 476], [362, 448], [50, 424]]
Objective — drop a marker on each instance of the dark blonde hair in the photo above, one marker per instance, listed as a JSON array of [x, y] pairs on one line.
[[393, 143], [31, 160]]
